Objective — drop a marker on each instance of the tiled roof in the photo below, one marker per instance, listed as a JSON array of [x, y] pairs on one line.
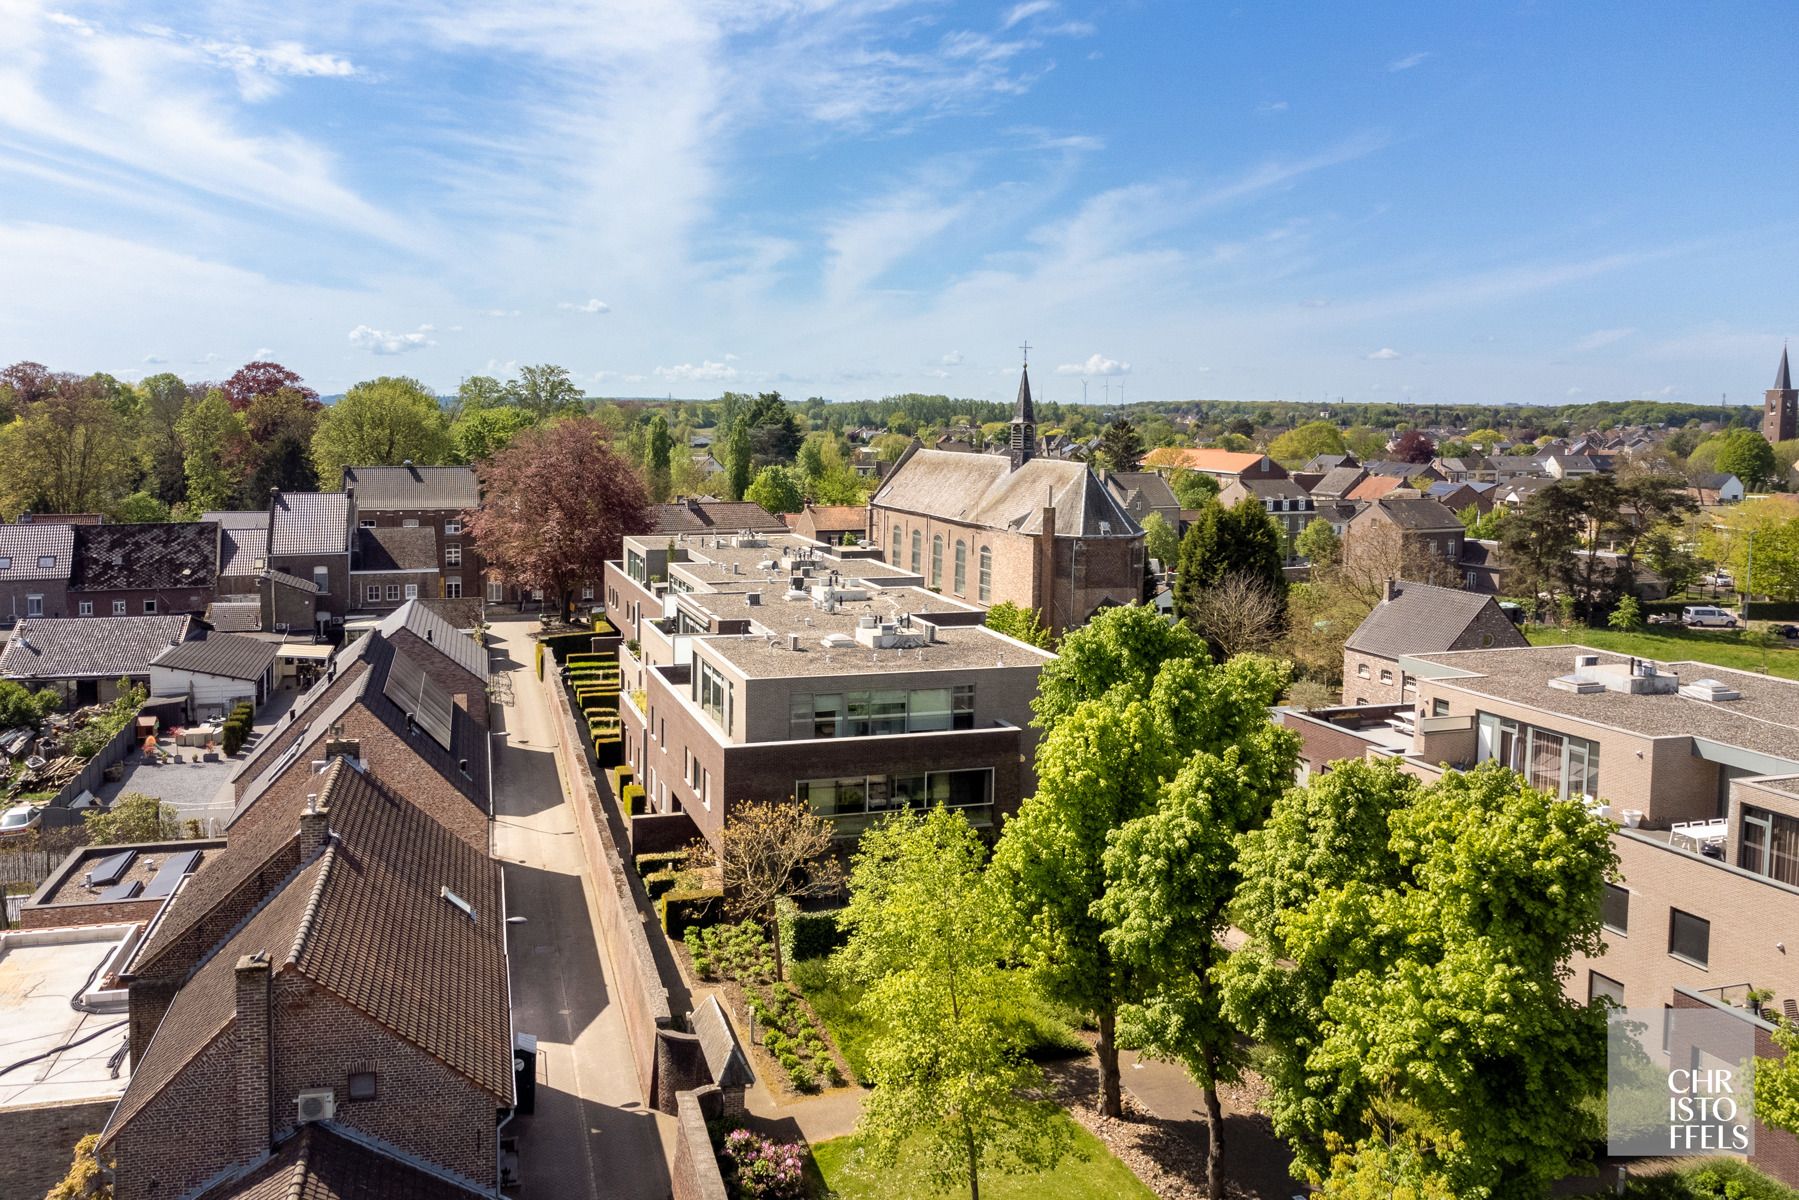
[[1424, 619], [428, 625], [235, 616], [1322, 463], [1219, 462], [309, 523], [695, 516], [24, 547], [379, 488], [243, 549], [1339, 482], [392, 548], [985, 490], [1267, 489], [838, 518], [325, 1162], [1374, 487], [464, 613], [1144, 489], [1419, 513], [150, 557], [223, 654], [88, 647], [368, 922], [238, 519]]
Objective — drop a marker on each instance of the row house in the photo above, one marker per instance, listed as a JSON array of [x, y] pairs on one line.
[[435, 499], [1287, 504]]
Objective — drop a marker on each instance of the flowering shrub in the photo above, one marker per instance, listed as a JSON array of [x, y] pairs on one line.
[[759, 1168]]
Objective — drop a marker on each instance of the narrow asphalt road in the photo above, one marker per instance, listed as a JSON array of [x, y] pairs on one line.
[[592, 1135]]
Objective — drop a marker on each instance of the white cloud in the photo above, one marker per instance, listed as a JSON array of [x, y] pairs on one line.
[[1574, 391], [1602, 337], [1272, 106], [1096, 365], [261, 354], [952, 359], [500, 312], [702, 372], [1409, 61], [1026, 10], [377, 341], [258, 68], [1384, 354], [585, 306], [154, 360]]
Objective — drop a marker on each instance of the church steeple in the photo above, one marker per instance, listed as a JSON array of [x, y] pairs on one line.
[[1780, 412], [1783, 380], [1024, 417]]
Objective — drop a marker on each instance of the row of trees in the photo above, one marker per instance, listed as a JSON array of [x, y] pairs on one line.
[[1405, 954]]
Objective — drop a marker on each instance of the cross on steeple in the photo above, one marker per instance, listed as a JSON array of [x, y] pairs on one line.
[[1027, 353]]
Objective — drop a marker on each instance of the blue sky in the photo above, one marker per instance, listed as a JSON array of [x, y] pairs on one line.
[[1169, 199]]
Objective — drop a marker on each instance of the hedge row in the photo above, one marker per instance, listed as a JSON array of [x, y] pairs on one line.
[[682, 909], [807, 934], [236, 730]]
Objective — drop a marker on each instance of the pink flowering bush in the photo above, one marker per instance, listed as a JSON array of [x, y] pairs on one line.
[[759, 1168]]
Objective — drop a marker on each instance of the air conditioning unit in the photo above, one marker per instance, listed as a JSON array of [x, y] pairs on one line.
[[320, 1105]]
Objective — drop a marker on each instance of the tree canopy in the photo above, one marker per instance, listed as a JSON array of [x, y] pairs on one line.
[[383, 421]]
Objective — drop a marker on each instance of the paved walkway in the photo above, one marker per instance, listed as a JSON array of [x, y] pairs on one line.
[[591, 1136]]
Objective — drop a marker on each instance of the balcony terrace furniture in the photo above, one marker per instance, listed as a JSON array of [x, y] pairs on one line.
[[1705, 837]]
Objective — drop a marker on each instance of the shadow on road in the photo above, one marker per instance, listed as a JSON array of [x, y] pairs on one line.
[[561, 1148], [552, 942]]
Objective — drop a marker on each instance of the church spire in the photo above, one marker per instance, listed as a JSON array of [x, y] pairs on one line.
[[1024, 417], [1783, 381]]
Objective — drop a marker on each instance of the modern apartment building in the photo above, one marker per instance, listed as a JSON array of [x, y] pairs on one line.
[[1697, 766], [768, 667]]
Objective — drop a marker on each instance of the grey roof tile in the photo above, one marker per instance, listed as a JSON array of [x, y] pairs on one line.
[[88, 647], [1425, 619], [398, 488], [223, 654], [309, 523], [985, 490], [24, 550], [151, 556]]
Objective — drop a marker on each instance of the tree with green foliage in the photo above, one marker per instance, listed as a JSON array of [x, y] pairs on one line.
[[20, 708], [278, 429], [1318, 543], [164, 399], [132, 818], [138, 508], [88, 1178], [544, 391], [1160, 541], [774, 434], [1101, 763], [1194, 489], [1483, 526], [1016, 621], [212, 440], [1242, 540], [476, 394], [924, 938], [737, 461], [381, 422], [1747, 455], [68, 450], [1303, 443], [1171, 879], [1626, 616], [658, 451], [1407, 950], [774, 489], [1120, 446], [1485, 439], [1365, 442], [480, 433], [1786, 454]]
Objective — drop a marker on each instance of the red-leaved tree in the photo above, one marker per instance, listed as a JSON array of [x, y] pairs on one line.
[[1414, 446], [556, 504], [264, 379]]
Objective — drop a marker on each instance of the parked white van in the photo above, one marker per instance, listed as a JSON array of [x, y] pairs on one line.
[[1707, 615]]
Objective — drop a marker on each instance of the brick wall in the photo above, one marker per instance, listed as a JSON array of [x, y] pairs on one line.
[[40, 1143], [694, 1173], [168, 600], [64, 916], [14, 598], [428, 585], [152, 1165], [1371, 689]]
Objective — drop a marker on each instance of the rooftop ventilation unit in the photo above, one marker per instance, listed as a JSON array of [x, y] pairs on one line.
[[1710, 689], [319, 1105], [1577, 684], [748, 541], [793, 641]]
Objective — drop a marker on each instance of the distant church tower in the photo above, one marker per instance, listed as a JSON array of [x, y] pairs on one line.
[[1780, 415], [1024, 419]]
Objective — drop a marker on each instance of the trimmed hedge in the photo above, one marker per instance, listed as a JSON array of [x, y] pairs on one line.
[[236, 728], [682, 909], [658, 882], [665, 860], [632, 800], [807, 934], [619, 776]]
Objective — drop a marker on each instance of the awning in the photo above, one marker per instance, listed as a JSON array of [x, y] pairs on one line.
[[306, 651]]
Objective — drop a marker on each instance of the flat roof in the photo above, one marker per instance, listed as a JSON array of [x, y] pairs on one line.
[[775, 613], [1765, 719], [956, 649], [40, 970], [729, 568]]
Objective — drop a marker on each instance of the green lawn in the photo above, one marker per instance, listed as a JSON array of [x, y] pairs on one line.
[[1089, 1172], [1043, 1030], [1671, 643]]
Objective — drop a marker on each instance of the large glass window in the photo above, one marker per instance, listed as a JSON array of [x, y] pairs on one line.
[[1689, 937], [985, 578], [961, 584], [634, 566], [1564, 766], [917, 551], [894, 558], [1770, 845], [937, 561], [712, 692], [855, 802], [1604, 986], [866, 714], [1614, 909]]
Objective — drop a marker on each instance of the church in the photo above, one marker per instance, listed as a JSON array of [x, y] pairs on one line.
[[1780, 415], [1044, 533]]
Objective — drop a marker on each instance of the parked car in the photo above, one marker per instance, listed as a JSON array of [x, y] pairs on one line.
[[1706, 616], [19, 819], [1721, 579], [1789, 632], [1664, 618]]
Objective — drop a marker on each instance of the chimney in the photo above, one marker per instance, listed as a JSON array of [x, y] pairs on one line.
[[250, 1120], [1390, 589], [315, 828], [342, 747]]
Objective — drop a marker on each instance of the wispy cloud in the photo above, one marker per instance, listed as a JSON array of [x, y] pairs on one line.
[[701, 372], [1025, 11], [1384, 354], [1409, 61], [1096, 366], [585, 306], [1600, 338], [378, 341], [1268, 107]]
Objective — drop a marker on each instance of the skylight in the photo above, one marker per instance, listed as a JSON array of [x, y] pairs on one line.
[[457, 902]]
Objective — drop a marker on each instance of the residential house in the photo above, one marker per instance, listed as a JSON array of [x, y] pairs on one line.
[[832, 524], [1516, 466], [36, 561], [707, 516], [1043, 533], [311, 538], [84, 658], [1338, 482], [437, 499], [1569, 466], [1324, 464], [1144, 492], [1718, 488], [1458, 496], [144, 569], [1414, 618], [215, 672], [1222, 465], [1412, 538], [396, 563], [1374, 487], [1465, 469], [1285, 502], [1404, 471]]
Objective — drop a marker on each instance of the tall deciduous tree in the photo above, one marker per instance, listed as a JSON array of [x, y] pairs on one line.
[[1305, 442], [558, 504], [950, 1079], [1172, 876], [480, 433], [1160, 541], [380, 422], [263, 379], [165, 397], [775, 490], [544, 390], [1414, 446], [738, 460], [1747, 455], [279, 426], [659, 448], [1407, 952], [68, 451], [212, 442], [1319, 543]]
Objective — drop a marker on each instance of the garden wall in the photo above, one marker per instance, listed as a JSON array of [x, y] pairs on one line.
[[695, 1174], [58, 814], [659, 833]]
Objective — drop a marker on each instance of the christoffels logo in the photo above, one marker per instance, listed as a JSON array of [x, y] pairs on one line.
[[1679, 1082]]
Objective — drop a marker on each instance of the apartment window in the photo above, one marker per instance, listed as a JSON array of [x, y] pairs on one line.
[[1614, 909], [1604, 986], [1566, 767], [1386, 676], [393, 591], [985, 578], [496, 591], [855, 802], [86, 608], [362, 1085], [118, 608], [587, 592], [874, 713], [149, 607], [412, 591], [712, 692], [961, 566], [1439, 708], [34, 606], [917, 551], [452, 555], [409, 523], [366, 524], [1770, 845], [321, 578], [937, 561], [634, 566], [452, 528], [453, 588], [1689, 937], [706, 788], [373, 593], [1361, 670], [46, 561]]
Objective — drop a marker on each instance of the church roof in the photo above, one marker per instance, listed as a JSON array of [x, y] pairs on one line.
[[985, 489], [1783, 382], [1023, 410]]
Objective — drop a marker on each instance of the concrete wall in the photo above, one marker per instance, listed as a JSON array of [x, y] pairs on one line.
[[40, 1143]]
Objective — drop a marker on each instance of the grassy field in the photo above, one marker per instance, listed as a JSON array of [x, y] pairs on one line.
[[1723, 648], [1042, 1029], [1088, 1173]]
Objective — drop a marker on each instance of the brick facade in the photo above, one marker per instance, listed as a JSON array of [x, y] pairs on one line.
[[40, 1143]]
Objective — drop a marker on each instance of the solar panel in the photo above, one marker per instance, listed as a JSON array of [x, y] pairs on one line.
[[111, 869], [122, 891], [420, 698], [171, 873]]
